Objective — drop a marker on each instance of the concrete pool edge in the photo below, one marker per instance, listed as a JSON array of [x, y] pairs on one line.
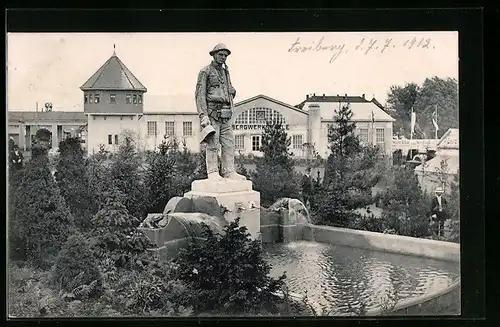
[[428, 304], [391, 243], [440, 300]]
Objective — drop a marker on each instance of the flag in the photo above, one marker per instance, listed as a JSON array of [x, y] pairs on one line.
[[373, 116], [435, 118], [413, 120]]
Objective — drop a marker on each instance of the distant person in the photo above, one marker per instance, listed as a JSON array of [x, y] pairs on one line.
[[17, 158], [306, 186], [438, 210]]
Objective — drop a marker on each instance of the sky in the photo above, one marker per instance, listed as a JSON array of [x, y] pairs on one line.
[[50, 67]]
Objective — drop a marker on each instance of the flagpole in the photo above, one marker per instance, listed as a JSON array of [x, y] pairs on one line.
[[435, 128], [411, 124], [374, 135]]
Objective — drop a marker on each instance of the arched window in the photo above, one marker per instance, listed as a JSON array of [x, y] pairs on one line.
[[259, 116]]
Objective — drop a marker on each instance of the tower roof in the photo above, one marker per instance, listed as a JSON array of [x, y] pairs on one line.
[[113, 75]]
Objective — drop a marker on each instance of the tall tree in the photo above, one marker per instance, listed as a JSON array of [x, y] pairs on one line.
[[275, 176], [434, 93], [126, 175], [400, 100], [350, 173], [440, 94], [73, 180], [40, 219]]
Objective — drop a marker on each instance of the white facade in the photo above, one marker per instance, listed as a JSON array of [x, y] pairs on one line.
[[302, 126], [430, 174]]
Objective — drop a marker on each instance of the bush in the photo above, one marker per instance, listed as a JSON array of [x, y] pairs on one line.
[[170, 172], [227, 273], [39, 218], [75, 266], [275, 182], [115, 235], [405, 205]]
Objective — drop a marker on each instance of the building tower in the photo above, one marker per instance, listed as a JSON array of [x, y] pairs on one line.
[[113, 102]]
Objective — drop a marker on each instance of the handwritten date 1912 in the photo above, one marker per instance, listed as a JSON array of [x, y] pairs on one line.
[[369, 45]]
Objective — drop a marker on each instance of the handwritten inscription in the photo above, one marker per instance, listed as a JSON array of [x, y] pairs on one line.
[[364, 46]]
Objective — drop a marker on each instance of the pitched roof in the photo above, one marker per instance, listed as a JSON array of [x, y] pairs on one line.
[[52, 116], [113, 75], [262, 96], [362, 111], [338, 98]]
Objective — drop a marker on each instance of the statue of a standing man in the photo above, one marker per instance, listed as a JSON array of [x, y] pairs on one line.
[[214, 102]]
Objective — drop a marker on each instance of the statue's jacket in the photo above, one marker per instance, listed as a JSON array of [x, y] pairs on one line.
[[213, 89]]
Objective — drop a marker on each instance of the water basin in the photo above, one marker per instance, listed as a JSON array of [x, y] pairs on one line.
[[341, 279]]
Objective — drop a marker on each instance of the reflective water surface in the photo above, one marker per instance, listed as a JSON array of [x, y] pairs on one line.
[[343, 279]]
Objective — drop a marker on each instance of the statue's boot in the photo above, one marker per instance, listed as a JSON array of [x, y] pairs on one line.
[[215, 176], [234, 175]]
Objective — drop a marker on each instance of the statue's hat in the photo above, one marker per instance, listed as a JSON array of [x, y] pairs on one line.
[[218, 48]]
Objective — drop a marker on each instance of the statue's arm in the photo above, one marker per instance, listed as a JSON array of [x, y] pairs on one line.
[[201, 94], [232, 90]]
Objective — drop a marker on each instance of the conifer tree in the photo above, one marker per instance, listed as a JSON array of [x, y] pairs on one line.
[[115, 234], [40, 218], [275, 176], [349, 173], [73, 180]]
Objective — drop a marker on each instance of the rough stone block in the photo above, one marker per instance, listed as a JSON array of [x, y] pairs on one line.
[[208, 205], [178, 204]]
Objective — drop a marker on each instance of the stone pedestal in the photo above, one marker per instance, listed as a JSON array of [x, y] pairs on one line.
[[237, 196]]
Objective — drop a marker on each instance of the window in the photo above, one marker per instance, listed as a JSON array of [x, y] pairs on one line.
[[116, 139], [256, 142], [297, 141], [239, 142], [96, 98], [139, 98], [169, 128], [363, 135], [112, 98], [257, 116], [151, 128], [110, 139], [85, 98], [242, 118], [187, 128], [90, 98], [135, 98], [380, 135], [128, 98]]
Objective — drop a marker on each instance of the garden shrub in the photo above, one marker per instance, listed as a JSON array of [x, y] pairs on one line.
[[227, 273], [76, 266], [115, 235]]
